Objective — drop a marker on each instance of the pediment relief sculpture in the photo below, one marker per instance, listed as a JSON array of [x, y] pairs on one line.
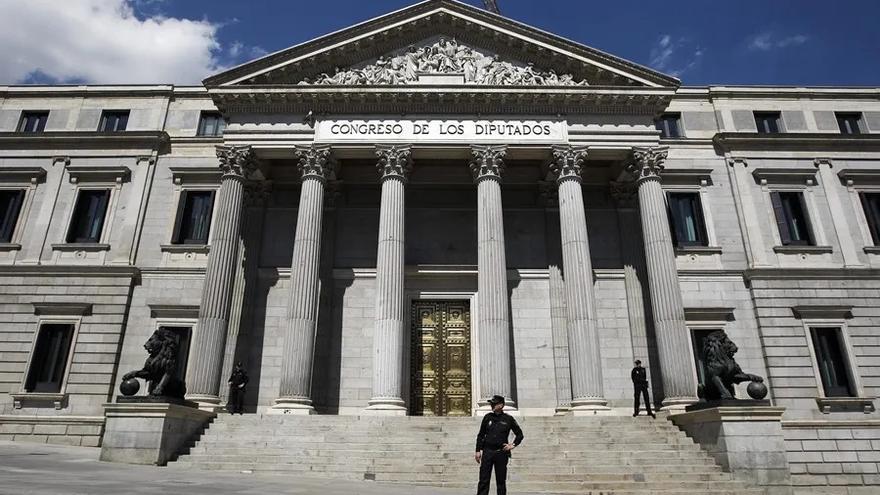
[[445, 56]]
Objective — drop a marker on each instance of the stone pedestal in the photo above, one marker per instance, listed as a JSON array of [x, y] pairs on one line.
[[149, 432], [746, 441]]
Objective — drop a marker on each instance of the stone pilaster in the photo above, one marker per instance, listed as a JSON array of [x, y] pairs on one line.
[[295, 396], [394, 165], [493, 317], [587, 396], [237, 164], [839, 216], [673, 341]]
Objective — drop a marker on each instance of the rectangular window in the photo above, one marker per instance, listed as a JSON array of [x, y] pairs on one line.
[[183, 335], [33, 122], [791, 219], [767, 122], [686, 219], [10, 207], [193, 217], [50, 358], [669, 125], [849, 122], [113, 121], [871, 204], [88, 216], [699, 337], [832, 362], [211, 124]]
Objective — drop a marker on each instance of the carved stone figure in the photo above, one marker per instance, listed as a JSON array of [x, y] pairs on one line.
[[722, 370], [445, 56], [160, 367]]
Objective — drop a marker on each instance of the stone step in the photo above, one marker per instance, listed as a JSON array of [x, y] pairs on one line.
[[442, 440], [545, 449]]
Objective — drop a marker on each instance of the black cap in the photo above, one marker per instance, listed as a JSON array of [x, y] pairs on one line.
[[638, 362], [496, 399]]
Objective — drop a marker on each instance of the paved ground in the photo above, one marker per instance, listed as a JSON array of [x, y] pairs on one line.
[[38, 469]]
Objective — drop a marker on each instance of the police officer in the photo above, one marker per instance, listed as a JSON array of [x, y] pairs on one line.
[[494, 447], [640, 386], [237, 382]]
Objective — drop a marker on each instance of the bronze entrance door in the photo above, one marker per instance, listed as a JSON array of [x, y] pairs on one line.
[[440, 369]]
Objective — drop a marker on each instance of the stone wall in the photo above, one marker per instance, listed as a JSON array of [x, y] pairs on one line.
[[833, 457]]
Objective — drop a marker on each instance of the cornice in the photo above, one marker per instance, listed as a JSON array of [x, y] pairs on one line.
[[154, 140], [70, 270], [790, 92], [751, 141], [441, 99]]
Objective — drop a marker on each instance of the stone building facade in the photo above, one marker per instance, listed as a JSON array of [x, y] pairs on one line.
[[438, 205]]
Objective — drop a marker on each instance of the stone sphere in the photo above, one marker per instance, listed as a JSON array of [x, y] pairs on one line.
[[757, 390], [130, 386]]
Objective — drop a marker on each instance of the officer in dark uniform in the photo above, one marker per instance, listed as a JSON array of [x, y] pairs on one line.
[[237, 383], [494, 447], [640, 386]]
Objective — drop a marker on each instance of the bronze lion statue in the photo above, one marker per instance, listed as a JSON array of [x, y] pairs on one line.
[[722, 371], [160, 367]]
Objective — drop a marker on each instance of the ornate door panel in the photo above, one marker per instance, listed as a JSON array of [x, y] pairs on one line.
[[441, 359]]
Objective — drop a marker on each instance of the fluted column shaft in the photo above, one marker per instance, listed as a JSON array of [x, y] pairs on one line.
[[302, 306], [583, 337], [493, 317], [673, 341], [388, 334], [209, 339]]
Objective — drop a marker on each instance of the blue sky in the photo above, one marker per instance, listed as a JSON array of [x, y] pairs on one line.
[[790, 42]]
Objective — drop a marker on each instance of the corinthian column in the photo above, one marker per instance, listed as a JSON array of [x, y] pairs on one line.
[[493, 319], [395, 162], [673, 341], [295, 397], [209, 341], [583, 338]]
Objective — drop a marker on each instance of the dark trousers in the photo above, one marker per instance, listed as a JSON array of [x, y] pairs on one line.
[[641, 391], [236, 400], [498, 459]]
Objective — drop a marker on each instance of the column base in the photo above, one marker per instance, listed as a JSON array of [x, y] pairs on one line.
[[677, 405], [385, 407], [590, 407], [296, 407], [210, 403], [562, 410]]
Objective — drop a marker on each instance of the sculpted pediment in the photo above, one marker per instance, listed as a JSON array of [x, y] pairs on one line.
[[441, 42]]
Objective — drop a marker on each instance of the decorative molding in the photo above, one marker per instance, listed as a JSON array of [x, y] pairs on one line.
[[62, 308], [315, 162], [90, 140], [709, 314], [237, 161], [21, 398], [803, 249], [173, 311], [801, 141], [798, 175], [195, 175], [687, 176], [22, 175], [851, 176], [395, 162], [827, 405], [87, 173], [647, 163], [87, 247], [487, 162], [822, 312], [568, 162], [185, 248], [413, 65], [831, 423], [688, 250]]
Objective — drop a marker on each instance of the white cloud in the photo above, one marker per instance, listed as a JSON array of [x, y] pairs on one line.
[[107, 41], [675, 56], [769, 41]]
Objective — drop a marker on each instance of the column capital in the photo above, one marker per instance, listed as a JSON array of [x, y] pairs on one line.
[[487, 162], [568, 162], [315, 162], [624, 192], [237, 161], [395, 161], [256, 193], [647, 163]]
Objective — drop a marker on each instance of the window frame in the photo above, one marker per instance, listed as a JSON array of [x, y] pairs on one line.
[[792, 180], [17, 227], [57, 320], [102, 123], [812, 240], [846, 349], [873, 237], [201, 127], [181, 195], [661, 125], [762, 114], [105, 235], [841, 118], [702, 228], [29, 113], [26, 179]]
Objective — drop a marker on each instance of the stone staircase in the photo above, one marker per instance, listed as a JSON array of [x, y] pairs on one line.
[[607, 455]]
